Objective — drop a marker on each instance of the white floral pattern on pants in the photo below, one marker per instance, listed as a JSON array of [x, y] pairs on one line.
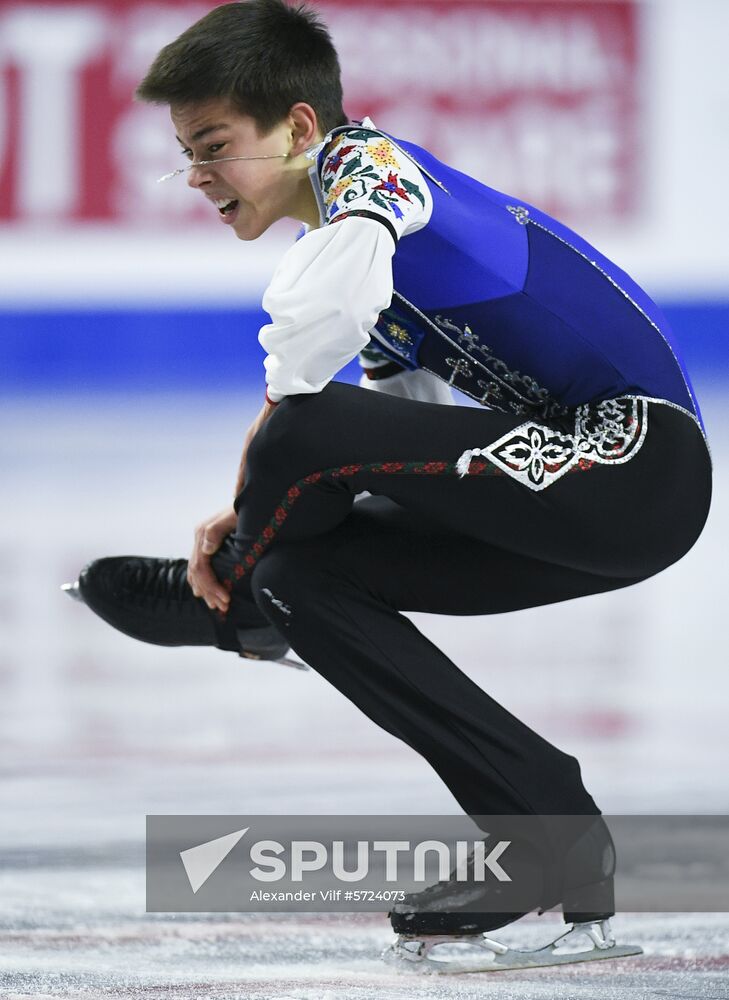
[[609, 432]]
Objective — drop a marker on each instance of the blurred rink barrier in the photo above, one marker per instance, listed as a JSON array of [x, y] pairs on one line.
[[605, 114], [130, 369]]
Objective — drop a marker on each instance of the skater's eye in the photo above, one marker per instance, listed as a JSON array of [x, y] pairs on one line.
[[211, 151]]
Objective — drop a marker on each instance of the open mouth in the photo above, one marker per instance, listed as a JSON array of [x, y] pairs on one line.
[[225, 205]]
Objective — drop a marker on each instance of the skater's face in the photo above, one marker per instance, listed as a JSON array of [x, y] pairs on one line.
[[249, 195]]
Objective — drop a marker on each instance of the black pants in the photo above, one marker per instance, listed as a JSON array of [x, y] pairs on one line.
[[456, 538]]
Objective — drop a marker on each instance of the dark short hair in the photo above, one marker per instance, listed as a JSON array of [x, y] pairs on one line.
[[262, 55]]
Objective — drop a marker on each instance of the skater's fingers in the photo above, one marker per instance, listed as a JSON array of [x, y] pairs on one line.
[[209, 536], [211, 540], [192, 580], [212, 534], [205, 584]]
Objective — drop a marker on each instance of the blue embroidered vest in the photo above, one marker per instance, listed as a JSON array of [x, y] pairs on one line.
[[517, 311]]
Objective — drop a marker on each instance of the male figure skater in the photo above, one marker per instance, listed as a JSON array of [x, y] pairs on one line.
[[584, 469]]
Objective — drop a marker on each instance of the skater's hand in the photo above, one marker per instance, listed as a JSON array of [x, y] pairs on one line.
[[209, 537]]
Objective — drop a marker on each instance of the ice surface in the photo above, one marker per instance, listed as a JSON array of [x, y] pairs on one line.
[[96, 731], [315, 957]]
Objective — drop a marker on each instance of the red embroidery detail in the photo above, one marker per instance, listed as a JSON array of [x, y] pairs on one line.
[[430, 468], [335, 162], [346, 470], [392, 185], [476, 467]]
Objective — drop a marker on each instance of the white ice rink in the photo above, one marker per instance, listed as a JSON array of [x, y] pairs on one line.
[[97, 730]]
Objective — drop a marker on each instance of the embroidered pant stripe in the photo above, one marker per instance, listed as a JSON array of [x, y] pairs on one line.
[[434, 467], [629, 451]]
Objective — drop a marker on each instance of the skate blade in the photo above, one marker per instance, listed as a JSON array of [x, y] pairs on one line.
[[288, 661], [73, 591], [479, 954], [285, 661]]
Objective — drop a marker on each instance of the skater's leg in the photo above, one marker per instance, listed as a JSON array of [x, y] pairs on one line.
[[337, 600], [491, 544], [625, 519], [343, 593]]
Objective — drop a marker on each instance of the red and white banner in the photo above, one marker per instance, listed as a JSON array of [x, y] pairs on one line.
[[539, 98]]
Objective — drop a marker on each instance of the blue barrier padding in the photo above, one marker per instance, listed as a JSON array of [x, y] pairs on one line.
[[702, 330], [163, 349], [130, 349]]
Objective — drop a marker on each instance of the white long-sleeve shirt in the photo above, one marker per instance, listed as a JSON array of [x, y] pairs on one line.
[[324, 298], [331, 285]]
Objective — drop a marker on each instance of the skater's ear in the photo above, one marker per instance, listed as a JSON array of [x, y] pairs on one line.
[[304, 128]]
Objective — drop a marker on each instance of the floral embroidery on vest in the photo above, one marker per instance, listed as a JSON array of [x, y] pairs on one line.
[[399, 333], [369, 172]]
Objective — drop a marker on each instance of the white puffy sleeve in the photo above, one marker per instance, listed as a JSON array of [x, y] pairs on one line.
[[324, 298], [332, 284]]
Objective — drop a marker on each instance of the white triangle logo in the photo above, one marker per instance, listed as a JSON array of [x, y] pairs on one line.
[[200, 862]]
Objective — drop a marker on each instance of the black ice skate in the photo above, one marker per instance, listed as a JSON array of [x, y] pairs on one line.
[[442, 929], [463, 905], [150, 600]]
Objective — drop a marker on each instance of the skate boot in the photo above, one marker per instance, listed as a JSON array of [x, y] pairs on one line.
[[150, 600], [442, 929], [462, 905]]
